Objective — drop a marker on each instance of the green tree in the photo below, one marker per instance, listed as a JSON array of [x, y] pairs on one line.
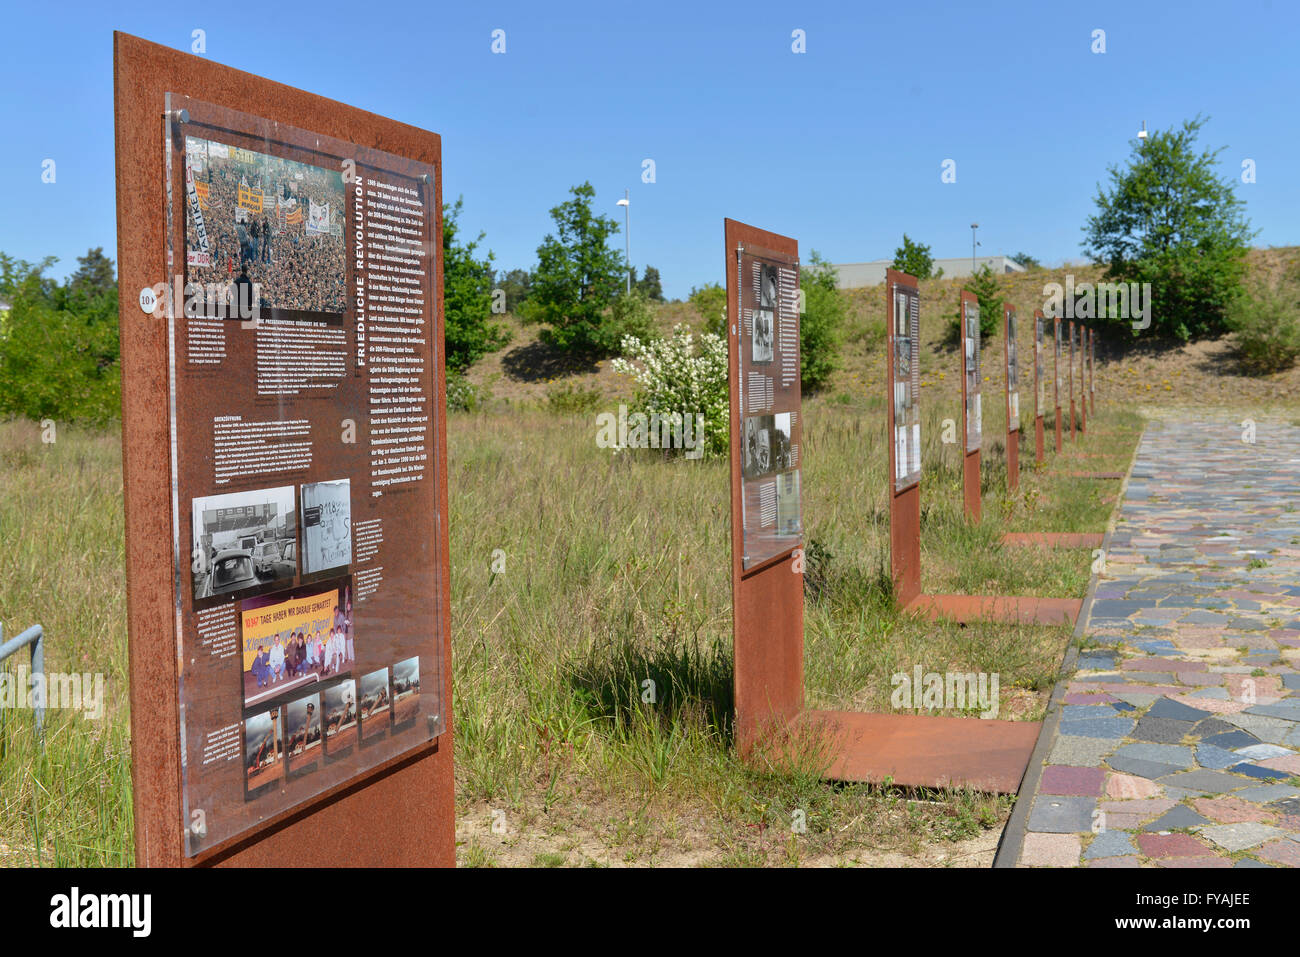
[[710, 302], [988, 290], [467, 296], [914, 259], [650, 285], [1171, 220], [1028, 261], [822, 323], [58, 351], [516, 284], [94, 276], [577, 278]]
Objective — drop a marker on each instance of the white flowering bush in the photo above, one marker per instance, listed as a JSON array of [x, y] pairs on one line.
[[676, 377]]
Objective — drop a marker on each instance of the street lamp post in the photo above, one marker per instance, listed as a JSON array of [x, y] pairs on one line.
[[973, 244], [626, 203]]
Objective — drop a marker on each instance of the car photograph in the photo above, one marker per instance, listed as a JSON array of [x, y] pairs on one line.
[[232, 570]]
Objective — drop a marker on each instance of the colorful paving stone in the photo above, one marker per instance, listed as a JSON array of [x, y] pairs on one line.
[[1186, 709]]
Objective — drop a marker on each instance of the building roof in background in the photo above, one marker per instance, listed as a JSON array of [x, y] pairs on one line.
[[857, 275]]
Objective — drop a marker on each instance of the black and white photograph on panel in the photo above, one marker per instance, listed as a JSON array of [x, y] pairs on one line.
[[242, 540], [758, 445], [326, 525]]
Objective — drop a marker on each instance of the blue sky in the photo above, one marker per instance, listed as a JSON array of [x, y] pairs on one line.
[[840, 147]]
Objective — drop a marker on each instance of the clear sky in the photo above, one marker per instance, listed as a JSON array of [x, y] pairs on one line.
[[840, 147]]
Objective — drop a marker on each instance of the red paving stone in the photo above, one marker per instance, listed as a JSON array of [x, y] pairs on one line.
[[1051, 850], [1207, 861], [1281, 852], [1288, 762], [1127, 861], [1269, 685], [1098, 698], [1124, 822], [1230, 810], [1079, 782], [1130, 787], [1171, 845]]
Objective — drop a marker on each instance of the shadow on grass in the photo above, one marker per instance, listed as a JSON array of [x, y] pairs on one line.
[[691, 684], [538, 361]]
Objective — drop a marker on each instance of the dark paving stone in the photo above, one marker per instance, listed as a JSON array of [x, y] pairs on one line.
[[1211, 726], [1098, 727], [1143, 769], [1216, 759], [1150, 678], [1288, 709], [1118, 607], [1289, 806], [1231, 740], [1094, 663], [1168, 708], [1163, 730], [1255, 771], [1061, 815], [1206, 782], [1110, 844], [1177, 818], [1251, 862]]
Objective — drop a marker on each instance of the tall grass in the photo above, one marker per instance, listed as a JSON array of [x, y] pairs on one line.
[[61, 564], [593, 676]]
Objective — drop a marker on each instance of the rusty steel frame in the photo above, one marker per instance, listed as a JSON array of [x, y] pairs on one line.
[[397, 814]]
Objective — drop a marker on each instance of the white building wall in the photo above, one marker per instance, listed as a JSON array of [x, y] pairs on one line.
[[857, 275]]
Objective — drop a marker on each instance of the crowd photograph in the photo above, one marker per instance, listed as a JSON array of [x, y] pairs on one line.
[[273, 222]]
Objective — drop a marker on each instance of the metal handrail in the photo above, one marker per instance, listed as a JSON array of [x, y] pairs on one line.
[[33, 636]]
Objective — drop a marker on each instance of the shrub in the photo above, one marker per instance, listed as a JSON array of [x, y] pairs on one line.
[[469, 333], [629, 317], [988, 290], [710, 303], [463, 395], [1266, 321], [822, 323], [59, 345], [676, 376]]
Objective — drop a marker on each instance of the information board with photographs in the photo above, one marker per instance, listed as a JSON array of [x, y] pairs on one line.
[[770, 416], [1073, 355], [302, 325], [1040, 384], [1013, 373], [971, 370], [1092, 361], [1056, 362], [905, 336]]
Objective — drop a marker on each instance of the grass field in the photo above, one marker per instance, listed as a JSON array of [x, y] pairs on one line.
[[616, 570]]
